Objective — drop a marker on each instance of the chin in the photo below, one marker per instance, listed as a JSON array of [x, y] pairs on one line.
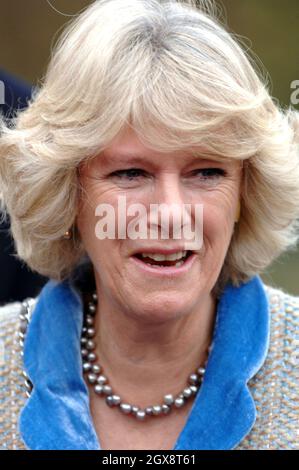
[[164, 306]]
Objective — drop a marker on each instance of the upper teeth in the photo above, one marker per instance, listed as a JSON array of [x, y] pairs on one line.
[[160, 257]]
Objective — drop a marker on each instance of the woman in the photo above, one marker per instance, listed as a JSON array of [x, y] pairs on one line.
[[146, 342]]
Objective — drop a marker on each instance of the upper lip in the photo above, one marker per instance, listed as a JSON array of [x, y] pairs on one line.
[[162, 251]]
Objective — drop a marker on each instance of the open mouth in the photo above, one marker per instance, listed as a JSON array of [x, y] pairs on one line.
[[161, 260]]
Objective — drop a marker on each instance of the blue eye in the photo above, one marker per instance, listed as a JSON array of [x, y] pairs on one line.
[[209, 173], [130, 174], [134, 173]]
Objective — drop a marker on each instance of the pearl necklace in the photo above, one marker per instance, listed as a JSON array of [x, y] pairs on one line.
[[99, 381]]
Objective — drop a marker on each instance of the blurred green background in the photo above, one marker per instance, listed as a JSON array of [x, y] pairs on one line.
[[29, 28]]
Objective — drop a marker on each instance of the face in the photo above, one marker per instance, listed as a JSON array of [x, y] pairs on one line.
[[129, 169]]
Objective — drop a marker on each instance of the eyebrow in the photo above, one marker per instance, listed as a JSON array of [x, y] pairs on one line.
[[132, 158]]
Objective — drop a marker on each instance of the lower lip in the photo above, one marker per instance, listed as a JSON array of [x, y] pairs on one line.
[[170, 271]]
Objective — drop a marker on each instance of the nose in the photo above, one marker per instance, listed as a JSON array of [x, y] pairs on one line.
[[171, 212]]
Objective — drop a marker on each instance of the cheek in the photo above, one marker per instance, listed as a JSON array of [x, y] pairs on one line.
[[218, 224], [92, 194], [98, 250], [219, 210], [87, 220]]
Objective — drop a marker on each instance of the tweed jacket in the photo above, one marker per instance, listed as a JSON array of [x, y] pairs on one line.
[[264, 418]]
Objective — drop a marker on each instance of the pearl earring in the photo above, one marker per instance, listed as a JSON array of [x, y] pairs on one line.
[[68, 234]]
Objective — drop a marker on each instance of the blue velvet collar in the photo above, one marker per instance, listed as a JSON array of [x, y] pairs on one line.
[[57, 414]]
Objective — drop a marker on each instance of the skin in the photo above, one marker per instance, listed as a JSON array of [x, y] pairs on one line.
[[152, 333]]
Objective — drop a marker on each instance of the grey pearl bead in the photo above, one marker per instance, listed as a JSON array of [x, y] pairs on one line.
[[135, 409], [109, 400], [98, 389], [92, 378], [96, 369], [140, 415], [125, 408], [193, 389], [168, 399], [116, 399], [84, 329], [90, 332], [90, 345], [24, 306], [83, 341], [23, 326], [193, 379], [28, 384], [89, 320], [201, 370], [149, 410], [165, 409], [107, 390], [181, 395], [84, 352], [101, 380], [187, 392], [157, 409], [178, 402], [86, 366], [91, 308], [91, 356], [21, 335], [94, 297]]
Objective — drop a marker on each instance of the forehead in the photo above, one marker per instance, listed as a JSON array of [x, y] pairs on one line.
[[127, 148], [137, 158], [109, 157]]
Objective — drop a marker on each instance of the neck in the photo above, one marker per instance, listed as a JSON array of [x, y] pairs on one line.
[[145, 361]]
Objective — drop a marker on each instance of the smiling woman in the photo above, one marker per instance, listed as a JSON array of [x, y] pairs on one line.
[[151, 102]]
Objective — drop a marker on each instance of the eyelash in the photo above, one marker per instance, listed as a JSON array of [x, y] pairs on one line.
[[121, 173]]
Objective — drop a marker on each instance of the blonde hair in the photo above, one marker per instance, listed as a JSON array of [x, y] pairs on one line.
[[172, 71]]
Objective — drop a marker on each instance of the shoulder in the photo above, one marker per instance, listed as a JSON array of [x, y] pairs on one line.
[[12, 311], [14, 317], [274, 387], [278, 295], [284, 322], [9, 311]]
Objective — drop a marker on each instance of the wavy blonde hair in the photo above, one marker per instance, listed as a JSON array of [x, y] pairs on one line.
[[174, 72]]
